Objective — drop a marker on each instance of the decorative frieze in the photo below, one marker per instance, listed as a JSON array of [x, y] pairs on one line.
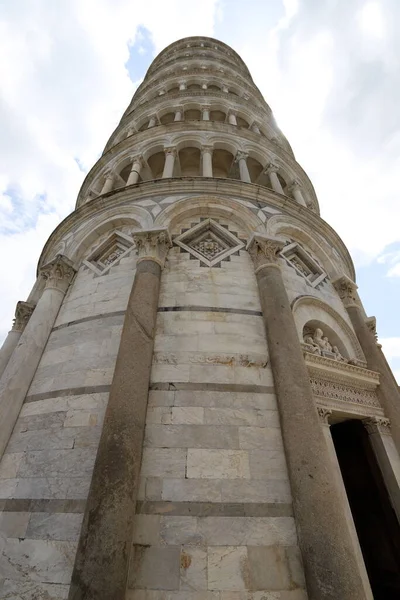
[[153, 244], [23, 313], [264, 250], [58, 273], [323, 388]]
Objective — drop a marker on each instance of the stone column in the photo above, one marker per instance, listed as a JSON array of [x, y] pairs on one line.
[[272, 172], [152, 122], [136, 168], [204, 86], [182, 86], [232, 118], [225, 89], [330, 562], [254, 127], [23, 313], [295, 190], [241, 158], [101, 564], [18, 374], [386, 454], [170, 154], [206, 152], [178, 114], [205, 112], [388, 391], [108, 183]]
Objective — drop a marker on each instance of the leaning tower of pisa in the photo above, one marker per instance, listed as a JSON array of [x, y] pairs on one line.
[[193, 402]]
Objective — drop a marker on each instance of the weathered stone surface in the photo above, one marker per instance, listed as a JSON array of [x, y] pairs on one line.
[[50, 526], [192, 436], [155, 568], [102, 557], [41, 561], [228, 568], [14, 524], [218, 464]]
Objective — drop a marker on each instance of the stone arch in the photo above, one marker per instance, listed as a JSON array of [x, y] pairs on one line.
[[107, 220], [209, 206], [284, 225], [310, 310]]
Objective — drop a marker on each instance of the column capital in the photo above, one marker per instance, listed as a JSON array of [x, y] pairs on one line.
[[58, 273], [23, 313], [377, 425], [264, 251], [324, 414], [207, 148], [109, 174], [346, 288], [136, 158], [232, 111], [371, 324], [271, 168], [241, 155], [153, 244], [170, 150], [205, 107], [294, 186]]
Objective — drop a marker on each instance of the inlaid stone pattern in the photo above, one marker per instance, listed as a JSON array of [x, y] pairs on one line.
[[214, 503], [209, 242]]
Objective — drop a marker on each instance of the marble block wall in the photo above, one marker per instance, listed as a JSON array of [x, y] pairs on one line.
[[46, 470], [214, 517]]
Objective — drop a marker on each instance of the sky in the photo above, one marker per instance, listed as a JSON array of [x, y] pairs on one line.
[[329, 69]]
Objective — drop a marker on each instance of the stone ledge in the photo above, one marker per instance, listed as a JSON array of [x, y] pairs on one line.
[[336, 371]]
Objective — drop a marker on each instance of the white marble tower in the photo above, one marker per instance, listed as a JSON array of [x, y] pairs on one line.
[[170, 389]]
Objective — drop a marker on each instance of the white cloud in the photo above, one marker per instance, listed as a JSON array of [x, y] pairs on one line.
[[371, 19], [391, 347], [64, 87]]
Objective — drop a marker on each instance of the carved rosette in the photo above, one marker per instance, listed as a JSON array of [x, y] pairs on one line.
[[346, 288], [377, 425], [324, 414], [58, 273], [264, 251], [23, 313], [153, 244]]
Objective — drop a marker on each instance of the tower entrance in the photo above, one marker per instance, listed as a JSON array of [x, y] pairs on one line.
[[376, 523]]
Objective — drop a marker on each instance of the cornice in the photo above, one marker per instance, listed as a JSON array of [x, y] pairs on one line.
[[333, 370], [258, 195]]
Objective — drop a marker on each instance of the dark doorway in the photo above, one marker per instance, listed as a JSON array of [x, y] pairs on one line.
[[376, 523]]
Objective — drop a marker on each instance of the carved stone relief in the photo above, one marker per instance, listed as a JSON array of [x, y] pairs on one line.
[[318, 343], [209, 242], [108, 253], [303, 263]]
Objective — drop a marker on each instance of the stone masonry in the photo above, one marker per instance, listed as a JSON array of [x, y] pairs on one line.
[[167, 388]]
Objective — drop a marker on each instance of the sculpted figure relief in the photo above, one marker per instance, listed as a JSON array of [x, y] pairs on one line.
[[318, 343]]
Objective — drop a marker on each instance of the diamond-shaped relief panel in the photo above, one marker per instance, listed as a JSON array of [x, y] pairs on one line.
[[209, 242], [304, 264], [108, 253]]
